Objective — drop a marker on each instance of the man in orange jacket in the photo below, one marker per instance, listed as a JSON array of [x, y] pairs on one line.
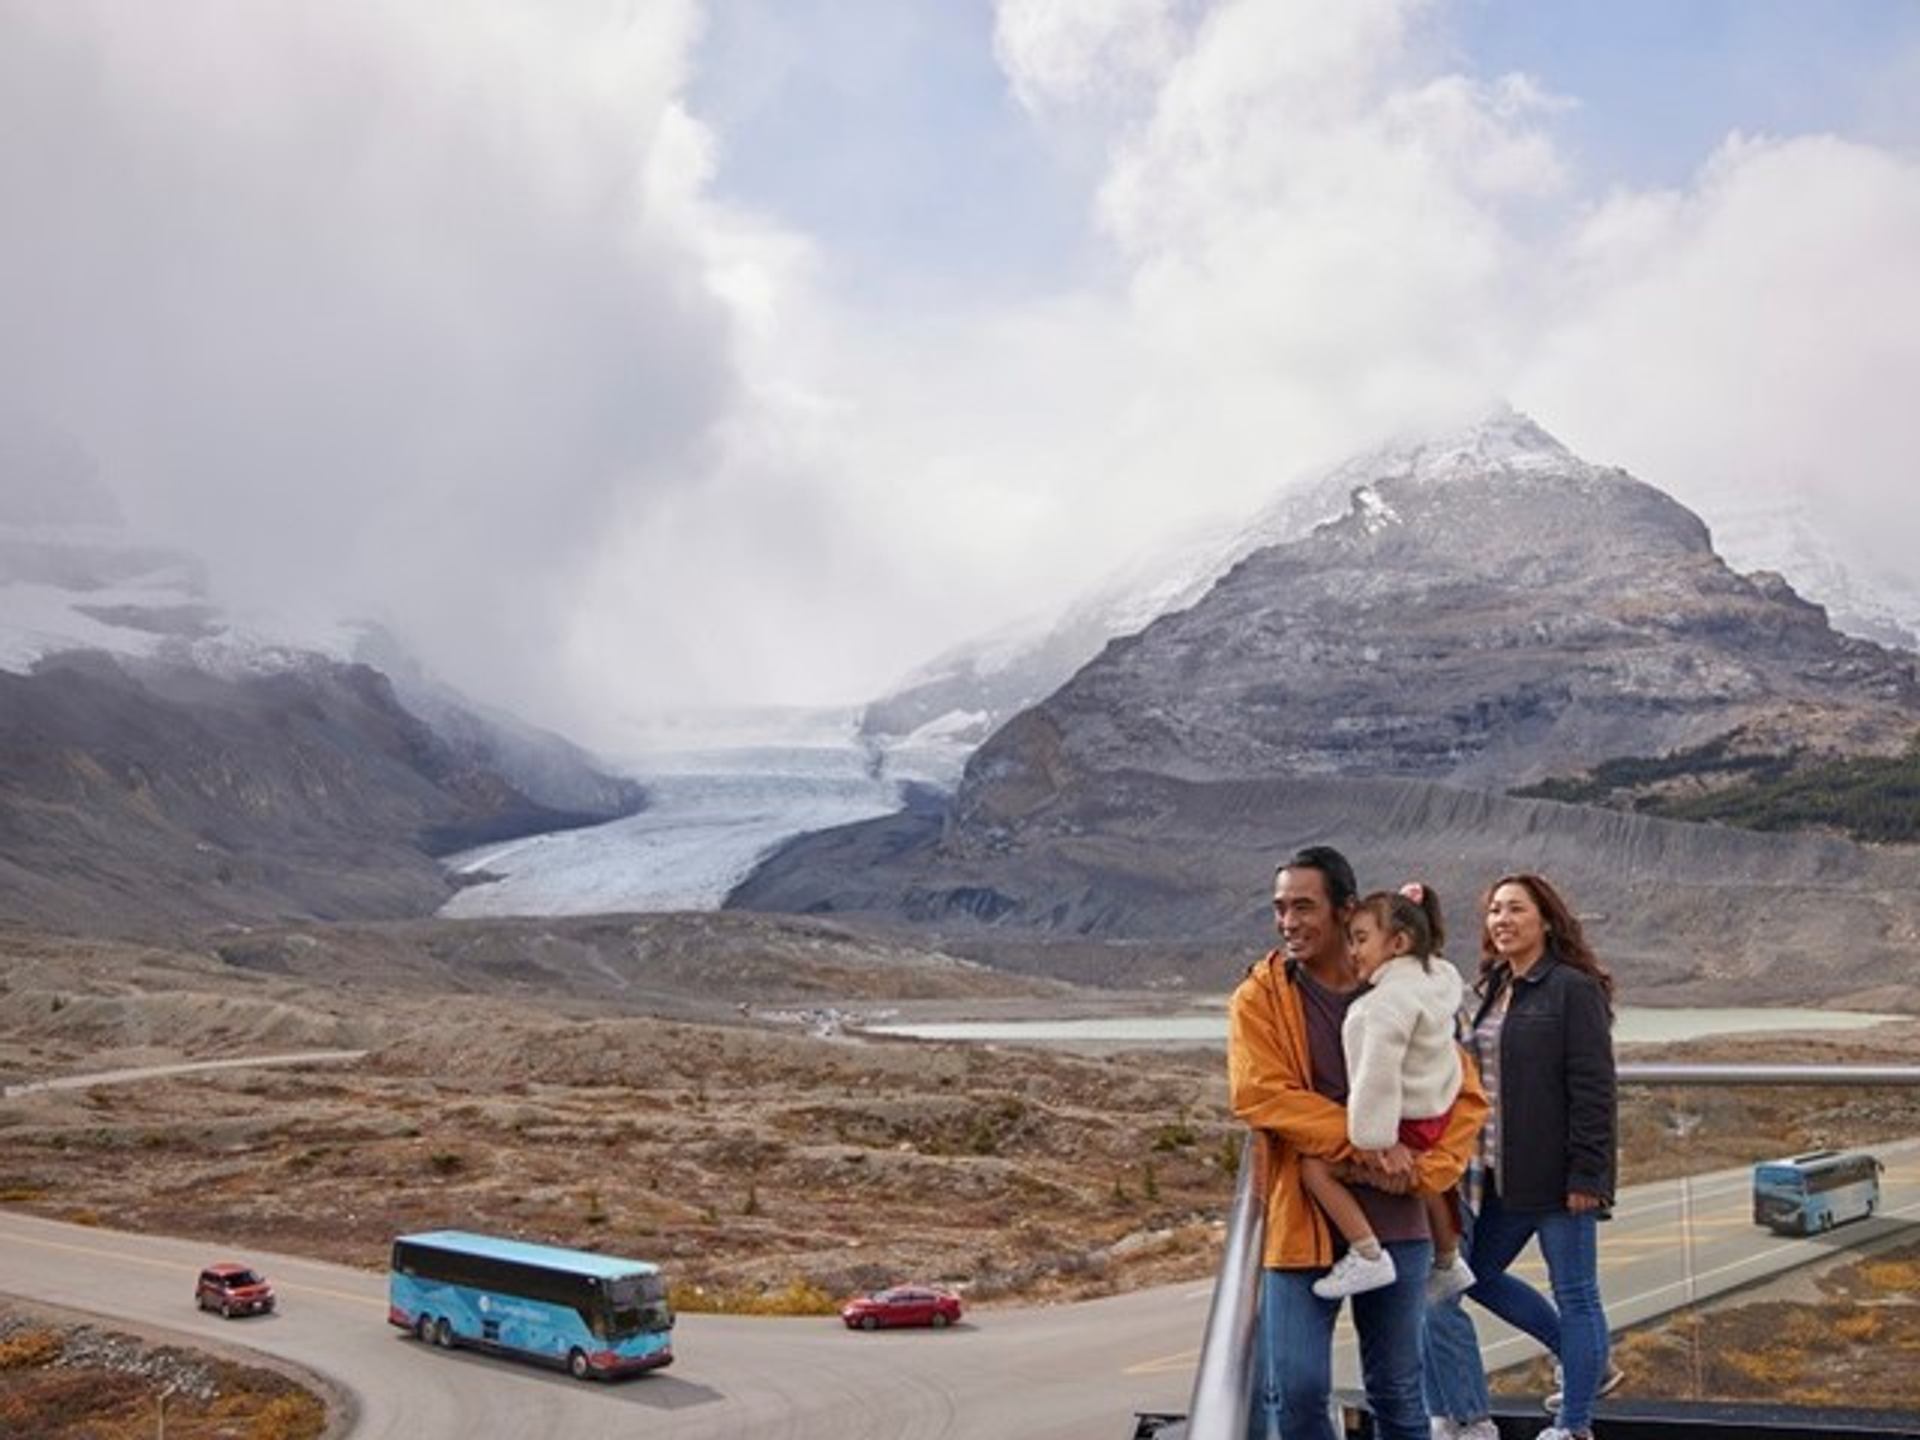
[[1286, 1073]]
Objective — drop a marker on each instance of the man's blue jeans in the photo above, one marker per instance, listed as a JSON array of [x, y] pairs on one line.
[[1293, 1383], [1572, 1326], [1456, 1378]]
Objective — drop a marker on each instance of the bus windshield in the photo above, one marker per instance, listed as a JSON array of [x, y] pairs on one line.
[[637, 1304]]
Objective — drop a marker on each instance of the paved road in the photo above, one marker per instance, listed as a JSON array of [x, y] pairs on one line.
[[1648, 1266], [180, 1067], [1066, 1373], [1054, 1374]]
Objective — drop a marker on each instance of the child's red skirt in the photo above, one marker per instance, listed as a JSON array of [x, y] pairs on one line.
[[1424, 1134]]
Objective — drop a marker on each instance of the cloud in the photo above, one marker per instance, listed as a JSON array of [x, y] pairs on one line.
[[383, 314], [450, 322], [1306, 235], [1065, 54], [1755, 335]]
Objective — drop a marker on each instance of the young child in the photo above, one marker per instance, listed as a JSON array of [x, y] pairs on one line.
[[1403, 1074]]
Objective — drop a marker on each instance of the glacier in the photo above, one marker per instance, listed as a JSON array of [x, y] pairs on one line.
[[712, 815]]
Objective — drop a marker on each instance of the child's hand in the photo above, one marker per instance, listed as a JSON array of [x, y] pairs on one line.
[[1391, 1170], [1395, 1160]]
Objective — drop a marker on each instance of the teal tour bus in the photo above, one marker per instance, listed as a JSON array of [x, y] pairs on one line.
[[596, 1315], [1804, 1194]]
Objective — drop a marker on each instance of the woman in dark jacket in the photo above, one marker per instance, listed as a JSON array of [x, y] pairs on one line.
[[1543, 1034]]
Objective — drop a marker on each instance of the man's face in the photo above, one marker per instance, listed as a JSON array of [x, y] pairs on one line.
[[1310, 931]]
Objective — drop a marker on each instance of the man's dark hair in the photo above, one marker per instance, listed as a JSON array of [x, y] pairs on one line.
[[1342, 888]]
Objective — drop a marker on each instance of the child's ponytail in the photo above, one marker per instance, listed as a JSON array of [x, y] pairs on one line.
[[1428, 900], [1413, 911]]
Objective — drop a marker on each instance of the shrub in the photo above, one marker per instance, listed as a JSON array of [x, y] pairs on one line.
[[293, 1416], [26, 1349], [798, 1296], [1178, 1136], [1874, 798], [1228, 1156]]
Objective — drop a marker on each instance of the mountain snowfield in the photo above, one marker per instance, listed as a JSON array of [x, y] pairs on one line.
[[66, 587]]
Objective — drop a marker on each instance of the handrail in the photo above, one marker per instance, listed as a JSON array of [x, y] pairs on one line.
[[1660, 1073], [1223, 1379]]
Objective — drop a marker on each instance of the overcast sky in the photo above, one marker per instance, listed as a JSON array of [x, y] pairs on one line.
[[642, 354]]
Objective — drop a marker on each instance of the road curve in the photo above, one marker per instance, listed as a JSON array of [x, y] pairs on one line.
[[1071, 1372]]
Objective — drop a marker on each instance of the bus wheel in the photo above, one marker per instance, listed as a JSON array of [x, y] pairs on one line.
[[423, 1329], [577, 1365], [443, 1333]]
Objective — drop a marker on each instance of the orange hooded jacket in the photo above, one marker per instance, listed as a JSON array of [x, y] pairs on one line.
[[1270, 1086]]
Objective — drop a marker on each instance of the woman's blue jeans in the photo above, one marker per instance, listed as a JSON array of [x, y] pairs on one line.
[[1572, 1325], [1293, 1386]]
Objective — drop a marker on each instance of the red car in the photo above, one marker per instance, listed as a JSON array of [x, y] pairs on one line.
[[233, 1290], [902, 1305]]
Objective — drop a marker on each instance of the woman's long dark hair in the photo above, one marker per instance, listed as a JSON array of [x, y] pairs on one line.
[[1566, 941]]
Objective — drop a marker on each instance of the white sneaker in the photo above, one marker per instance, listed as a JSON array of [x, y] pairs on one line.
[[1615, 1377], [1477, 1430], [1442, 1428], [1354, 1274], [1554, 1432], [1446, 1281]]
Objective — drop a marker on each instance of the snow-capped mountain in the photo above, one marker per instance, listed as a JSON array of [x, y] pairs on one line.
[[970, 690], [74, 576], [171, 763], [1489, 616], [94, 586]]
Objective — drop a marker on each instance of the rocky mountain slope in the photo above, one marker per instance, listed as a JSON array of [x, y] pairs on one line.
[[1481, 616], [163, 761], [141, 797]]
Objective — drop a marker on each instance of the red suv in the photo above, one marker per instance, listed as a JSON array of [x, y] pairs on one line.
[[903, 1305], [233, 1290]]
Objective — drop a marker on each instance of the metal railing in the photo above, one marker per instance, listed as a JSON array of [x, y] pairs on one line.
[[1223, 1379]]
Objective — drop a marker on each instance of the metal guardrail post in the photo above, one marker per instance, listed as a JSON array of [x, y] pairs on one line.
[[1223, 1379]]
